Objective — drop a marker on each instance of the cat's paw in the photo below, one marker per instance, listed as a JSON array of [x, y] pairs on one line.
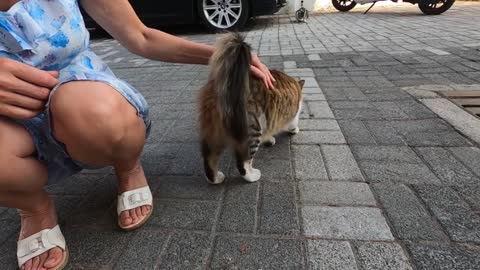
[[270, 142], [252, 175], [294, 131], [219, 178]]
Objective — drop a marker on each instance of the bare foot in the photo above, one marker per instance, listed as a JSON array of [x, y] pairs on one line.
[[32, 223], [130, 180]]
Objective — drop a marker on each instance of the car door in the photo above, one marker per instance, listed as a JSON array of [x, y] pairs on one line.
[[165, 11]]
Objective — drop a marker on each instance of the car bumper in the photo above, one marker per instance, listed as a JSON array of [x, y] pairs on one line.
[[267, 7]]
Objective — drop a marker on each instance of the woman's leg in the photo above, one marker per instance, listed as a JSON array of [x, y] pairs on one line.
[[21, 186], [100, 127]]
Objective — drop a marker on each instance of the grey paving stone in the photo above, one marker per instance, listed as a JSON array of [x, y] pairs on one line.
[[345, 223], [379, 171], [274, 169], [422, 125], [182, 131], [142, 251], [278, 211], [194, 215], [444, 257], [80, 184], [409, 218], [8, 258], [281, 150], [233, 252], [358, 114], [384, 133], [330, 255], [309, 162], [319, 137], [185, 250], [90, 248], [318, 124], [341, 164], [437, 138], [382, 256], [415, 110], [10, 228], [351, 105], [401, 154], [471, 194], [186, 188], [240, 207], [313, 97], [460, 222], [470, 156], [320, 109], [336, 193], [355, 132], [447, 167]]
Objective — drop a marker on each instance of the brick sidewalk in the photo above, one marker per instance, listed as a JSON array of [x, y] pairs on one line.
[[374, 180]]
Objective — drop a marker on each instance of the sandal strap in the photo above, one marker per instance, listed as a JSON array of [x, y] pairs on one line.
[[134, 198], [39, 243]]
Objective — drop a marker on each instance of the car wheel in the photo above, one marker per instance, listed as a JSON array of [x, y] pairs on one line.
[[435, 8], [220, 15], [343, 5]]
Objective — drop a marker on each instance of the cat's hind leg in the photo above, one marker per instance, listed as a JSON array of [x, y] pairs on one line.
[[292, 127], [211, 155], [244, 155]]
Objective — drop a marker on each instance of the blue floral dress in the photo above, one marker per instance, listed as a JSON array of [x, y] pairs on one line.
[[51, 35]]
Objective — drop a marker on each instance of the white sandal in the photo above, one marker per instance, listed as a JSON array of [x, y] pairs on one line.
[[133, 199], [40, 243]]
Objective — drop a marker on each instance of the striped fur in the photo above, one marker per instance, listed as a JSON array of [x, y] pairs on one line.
[[237, 110]]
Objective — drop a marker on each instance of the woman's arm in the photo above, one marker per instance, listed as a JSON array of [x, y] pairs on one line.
[[119, 19]]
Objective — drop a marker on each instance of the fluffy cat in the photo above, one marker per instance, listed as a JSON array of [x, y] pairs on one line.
[[238, 110]]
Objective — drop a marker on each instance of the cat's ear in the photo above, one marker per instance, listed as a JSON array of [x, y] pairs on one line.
[[301, 82]]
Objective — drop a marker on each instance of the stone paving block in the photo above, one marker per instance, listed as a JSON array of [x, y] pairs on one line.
[[437, 138], [471, 194], [470, 156], [357, 223], [185, 250], [278, 211], [351, 105], [290, 64], [232, 252], [80, 184], [340, 163], [447, 167], [320, 109], [310, 82], [318, 124], [422, 125], [330, 255], [239, 210], [90, 248], [336, 193], [8, 258], [193, 215], [309, 162], [355, 132], [401, 154], [409, 218], [142, 251], [274, 169], [182, 131], [382, 256], [408, 173], [384, 133], [458, 219], [319, 137], [358, 114], [281, 149], [444, 257], [313, 97], [186, 188]]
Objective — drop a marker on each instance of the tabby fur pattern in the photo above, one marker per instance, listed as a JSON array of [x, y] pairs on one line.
[[237, 110]]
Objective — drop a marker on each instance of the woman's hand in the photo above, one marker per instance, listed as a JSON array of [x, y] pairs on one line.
[[261, 71], [24, 90]]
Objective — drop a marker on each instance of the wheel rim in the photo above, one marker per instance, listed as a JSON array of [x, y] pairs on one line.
[[222, 13], [345, 3], [437, 5]]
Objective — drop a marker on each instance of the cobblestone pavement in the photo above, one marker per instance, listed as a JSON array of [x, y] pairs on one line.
[[375, 179]]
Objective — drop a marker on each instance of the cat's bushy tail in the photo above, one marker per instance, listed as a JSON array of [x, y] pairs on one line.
[[230, 74]]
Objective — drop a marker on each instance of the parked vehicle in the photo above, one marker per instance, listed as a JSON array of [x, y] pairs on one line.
[[214, 14], [428, 7]]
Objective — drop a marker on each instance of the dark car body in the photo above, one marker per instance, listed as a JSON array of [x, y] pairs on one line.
[[171, 12]]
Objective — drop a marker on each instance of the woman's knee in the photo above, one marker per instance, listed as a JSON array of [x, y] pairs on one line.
[[91, 111]]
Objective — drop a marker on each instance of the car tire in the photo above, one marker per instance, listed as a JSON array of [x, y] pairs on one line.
[[432, 9], [343, 5], [222, 16]]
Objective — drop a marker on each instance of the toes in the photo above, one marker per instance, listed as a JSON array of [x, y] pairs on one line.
[[133, 214], [35, 262], [55, 256], [125, 218], [138, 212], [43, 258], [28, 265]]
